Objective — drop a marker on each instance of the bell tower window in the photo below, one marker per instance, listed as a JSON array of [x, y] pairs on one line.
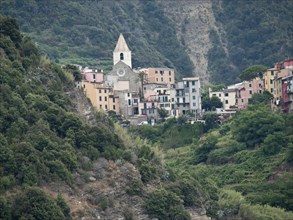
[[121, 56]]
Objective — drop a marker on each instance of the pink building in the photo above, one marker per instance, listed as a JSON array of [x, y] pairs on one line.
[[160, 76], [246, 91], [93, 77]]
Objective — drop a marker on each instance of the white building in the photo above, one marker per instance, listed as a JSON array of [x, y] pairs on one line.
[[188, 96]]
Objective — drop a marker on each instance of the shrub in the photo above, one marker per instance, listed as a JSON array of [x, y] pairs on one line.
[[265, 212], [135, 188], [163, 205]]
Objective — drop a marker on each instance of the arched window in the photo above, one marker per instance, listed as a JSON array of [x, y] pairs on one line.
[[121, 56]]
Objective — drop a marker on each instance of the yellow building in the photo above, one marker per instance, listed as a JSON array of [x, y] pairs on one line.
[[101, 96], [269, 77]]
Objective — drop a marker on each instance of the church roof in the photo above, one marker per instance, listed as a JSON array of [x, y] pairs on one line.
[[121, 45]]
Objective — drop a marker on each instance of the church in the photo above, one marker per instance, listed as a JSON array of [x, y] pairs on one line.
[[124, 80], [138, 99], [117, 90]]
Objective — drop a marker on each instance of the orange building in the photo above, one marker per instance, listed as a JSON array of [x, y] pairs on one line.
[[160, 76], [101, 96]]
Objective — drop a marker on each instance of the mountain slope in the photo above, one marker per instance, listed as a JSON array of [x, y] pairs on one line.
[[85, 32], [215, 40]]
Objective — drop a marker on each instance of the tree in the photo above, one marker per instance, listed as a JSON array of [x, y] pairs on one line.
[[257, 98], [163, 205], [141, 76], [211, 121], [252, 72], [33, 203], [253, 125], [163, 113], [211, 103]]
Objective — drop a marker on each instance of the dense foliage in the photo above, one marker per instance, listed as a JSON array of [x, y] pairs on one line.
[[249, 156], [251, 32], [172, 134], [41, 140], [85, 32]]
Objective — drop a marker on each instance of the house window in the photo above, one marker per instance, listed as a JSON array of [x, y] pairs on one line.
[[271, 81], [100, 91], [135, 101], [250, 92], [100, 98], [161, 72], [193, 97], [259, 85], [193, 83], [162, 79], [157, 79], [128, 94], [260, 91], [114, 99], [272, 73], [226, 94], [169, 73], [249, 84], [94, 76], [101, 106], [226, 101], [187, 84], [121, 56], [194, 104], [114, 107], [156, 72], [183, 100], [220, 94], [170, 79], [272, 90], [178, 100], [106, 107], [83, 86], [241, 100], [193, 90], [105, 90], [172, 99], [129, 102], [105, 98]]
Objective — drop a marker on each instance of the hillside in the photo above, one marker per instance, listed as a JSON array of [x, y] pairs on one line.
[[215, 40], [85, 32], [60, 159], [244, 165]]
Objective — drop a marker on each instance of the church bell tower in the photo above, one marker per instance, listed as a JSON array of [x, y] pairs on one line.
[[122, 52]]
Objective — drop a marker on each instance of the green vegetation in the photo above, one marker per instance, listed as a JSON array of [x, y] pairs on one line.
[[41, 140], [252, 33], [85, 33], [252, 72], [163, 204], [247, 160], [172, 134]]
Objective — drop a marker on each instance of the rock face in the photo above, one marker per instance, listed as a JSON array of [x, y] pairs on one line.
[[101, 192], [194, 20]]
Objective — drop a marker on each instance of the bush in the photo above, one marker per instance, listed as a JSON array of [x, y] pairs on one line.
[[265, 212], [135, 188], [33, 203], [163, 205]]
